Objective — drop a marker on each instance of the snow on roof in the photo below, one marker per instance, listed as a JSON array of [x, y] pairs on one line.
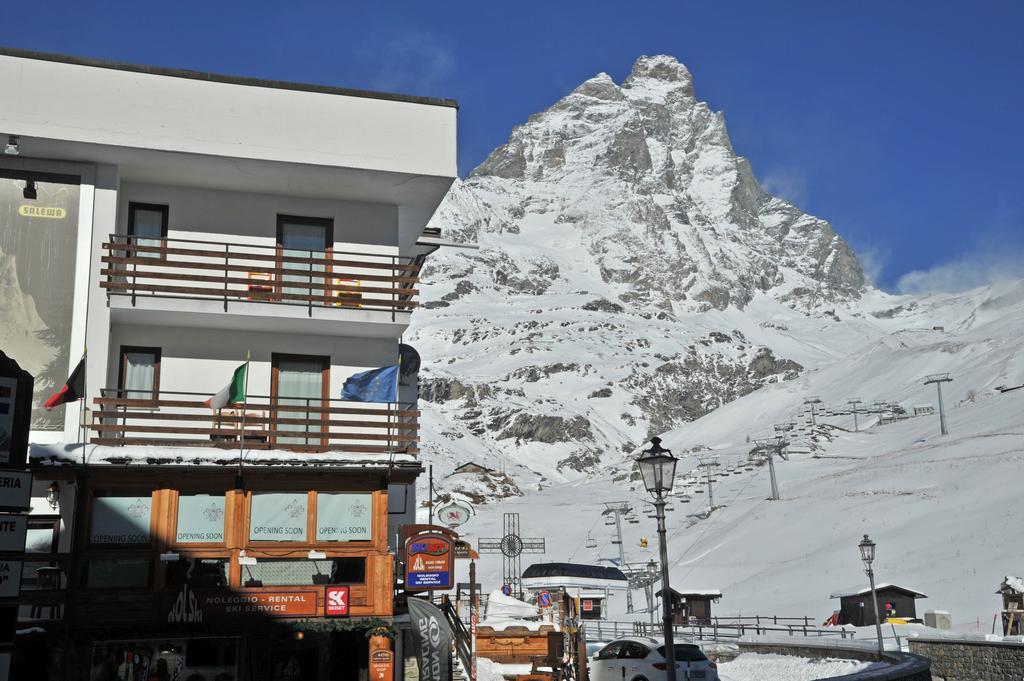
[[574, 570], [1010, 582], [698, 593], [858, 591], [77, 454], [502, 607]]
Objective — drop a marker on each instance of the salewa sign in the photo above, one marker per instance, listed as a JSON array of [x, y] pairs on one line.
[[42, 212]]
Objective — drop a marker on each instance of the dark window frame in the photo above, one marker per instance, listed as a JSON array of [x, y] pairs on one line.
[[165, 211], [325, 396], [327, 224], [157, 353]]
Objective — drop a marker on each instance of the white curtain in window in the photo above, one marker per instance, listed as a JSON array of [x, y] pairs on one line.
[[139, 372], [300, 383], [148, 229], [303, 241]]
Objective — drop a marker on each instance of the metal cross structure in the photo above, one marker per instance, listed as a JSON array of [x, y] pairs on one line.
[[511, 545], [619, 509], [938, 380]]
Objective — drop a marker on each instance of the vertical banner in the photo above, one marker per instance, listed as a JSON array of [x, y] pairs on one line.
[[432, 639], [38, 234]]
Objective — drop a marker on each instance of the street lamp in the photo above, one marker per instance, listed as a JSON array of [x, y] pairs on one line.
[[867, 554], [658, 471]]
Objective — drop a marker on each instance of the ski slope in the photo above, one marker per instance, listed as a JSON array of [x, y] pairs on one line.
[[944, 510]]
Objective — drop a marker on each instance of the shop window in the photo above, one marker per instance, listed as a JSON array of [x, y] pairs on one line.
[[200, 519], [120, 520], [343, 517], [275, 516], [41, 537], [118, 573], [209, 659], [198, 573], [302, 572]]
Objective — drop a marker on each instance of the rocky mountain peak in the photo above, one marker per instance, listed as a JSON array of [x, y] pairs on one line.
[[663, 70], [623, 245]]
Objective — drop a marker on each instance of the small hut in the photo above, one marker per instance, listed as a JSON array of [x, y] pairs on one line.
[[893, 601], [471, 467], [692, 606], [1012, 591]]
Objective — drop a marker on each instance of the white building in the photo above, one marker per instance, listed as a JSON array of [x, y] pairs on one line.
[[175, 223]]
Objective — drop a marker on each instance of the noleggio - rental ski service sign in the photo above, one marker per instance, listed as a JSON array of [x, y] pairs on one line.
[[428, 562]]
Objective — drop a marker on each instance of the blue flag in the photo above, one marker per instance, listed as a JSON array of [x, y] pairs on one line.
[[375, 385]]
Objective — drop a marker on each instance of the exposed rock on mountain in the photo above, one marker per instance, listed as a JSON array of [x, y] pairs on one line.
[[624, 247]]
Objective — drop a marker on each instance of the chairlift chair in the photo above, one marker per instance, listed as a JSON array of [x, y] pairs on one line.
[[591, 542]]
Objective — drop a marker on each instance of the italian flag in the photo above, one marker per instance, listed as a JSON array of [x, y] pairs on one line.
[[232, 393]]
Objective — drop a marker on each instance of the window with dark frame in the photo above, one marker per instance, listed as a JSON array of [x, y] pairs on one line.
[[299, 383], [42, 536], [147, 227], [139, 373], [299, 241]]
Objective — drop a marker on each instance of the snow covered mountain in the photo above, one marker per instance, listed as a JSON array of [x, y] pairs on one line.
[[634, 279], [625, 250]]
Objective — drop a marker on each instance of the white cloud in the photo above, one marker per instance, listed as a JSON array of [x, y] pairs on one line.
[[786, 183], [988, 265], [872, 261]]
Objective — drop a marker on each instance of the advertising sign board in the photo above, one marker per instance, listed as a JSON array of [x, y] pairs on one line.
[[381, 663], [10, 578], [12, 532], [15, 490], [337, 601], [453, 513], [428, 562]]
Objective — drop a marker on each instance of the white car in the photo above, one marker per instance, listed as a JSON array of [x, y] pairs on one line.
[[640, 658]]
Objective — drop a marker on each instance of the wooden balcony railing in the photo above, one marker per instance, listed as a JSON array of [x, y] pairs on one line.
[[180, 419], [236, 273]]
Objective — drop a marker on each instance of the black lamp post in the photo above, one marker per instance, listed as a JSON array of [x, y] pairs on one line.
[[658, 470], [867, 554]]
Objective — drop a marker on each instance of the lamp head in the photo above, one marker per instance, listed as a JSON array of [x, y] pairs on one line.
[[867, 551], [53, 495], [657, 468]]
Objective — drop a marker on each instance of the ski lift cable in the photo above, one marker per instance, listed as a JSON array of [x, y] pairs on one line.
[[578, 547], [708, 526]]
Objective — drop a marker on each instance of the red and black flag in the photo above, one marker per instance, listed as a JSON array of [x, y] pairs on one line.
[[74, 389]]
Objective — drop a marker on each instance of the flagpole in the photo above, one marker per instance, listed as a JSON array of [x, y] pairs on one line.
[[241, 428], [82, 431]]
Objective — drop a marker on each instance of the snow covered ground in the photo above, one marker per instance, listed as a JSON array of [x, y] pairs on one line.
[[770, 667], [941, 508]]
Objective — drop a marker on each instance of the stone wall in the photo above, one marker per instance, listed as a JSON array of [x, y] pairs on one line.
[[967, 660], [902, 666]]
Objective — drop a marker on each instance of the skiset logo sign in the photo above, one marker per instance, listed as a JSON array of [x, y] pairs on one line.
[[337, 601], [428, 562]]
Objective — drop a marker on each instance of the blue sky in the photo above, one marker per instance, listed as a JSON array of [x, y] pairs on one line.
[[899, 122]]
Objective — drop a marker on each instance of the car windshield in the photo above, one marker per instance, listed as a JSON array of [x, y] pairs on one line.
[[685, 653]]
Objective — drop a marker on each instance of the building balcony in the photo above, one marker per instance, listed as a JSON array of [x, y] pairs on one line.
[[185, 282], [300, 425]]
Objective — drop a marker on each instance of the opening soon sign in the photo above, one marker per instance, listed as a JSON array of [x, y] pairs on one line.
[[428, 562]]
